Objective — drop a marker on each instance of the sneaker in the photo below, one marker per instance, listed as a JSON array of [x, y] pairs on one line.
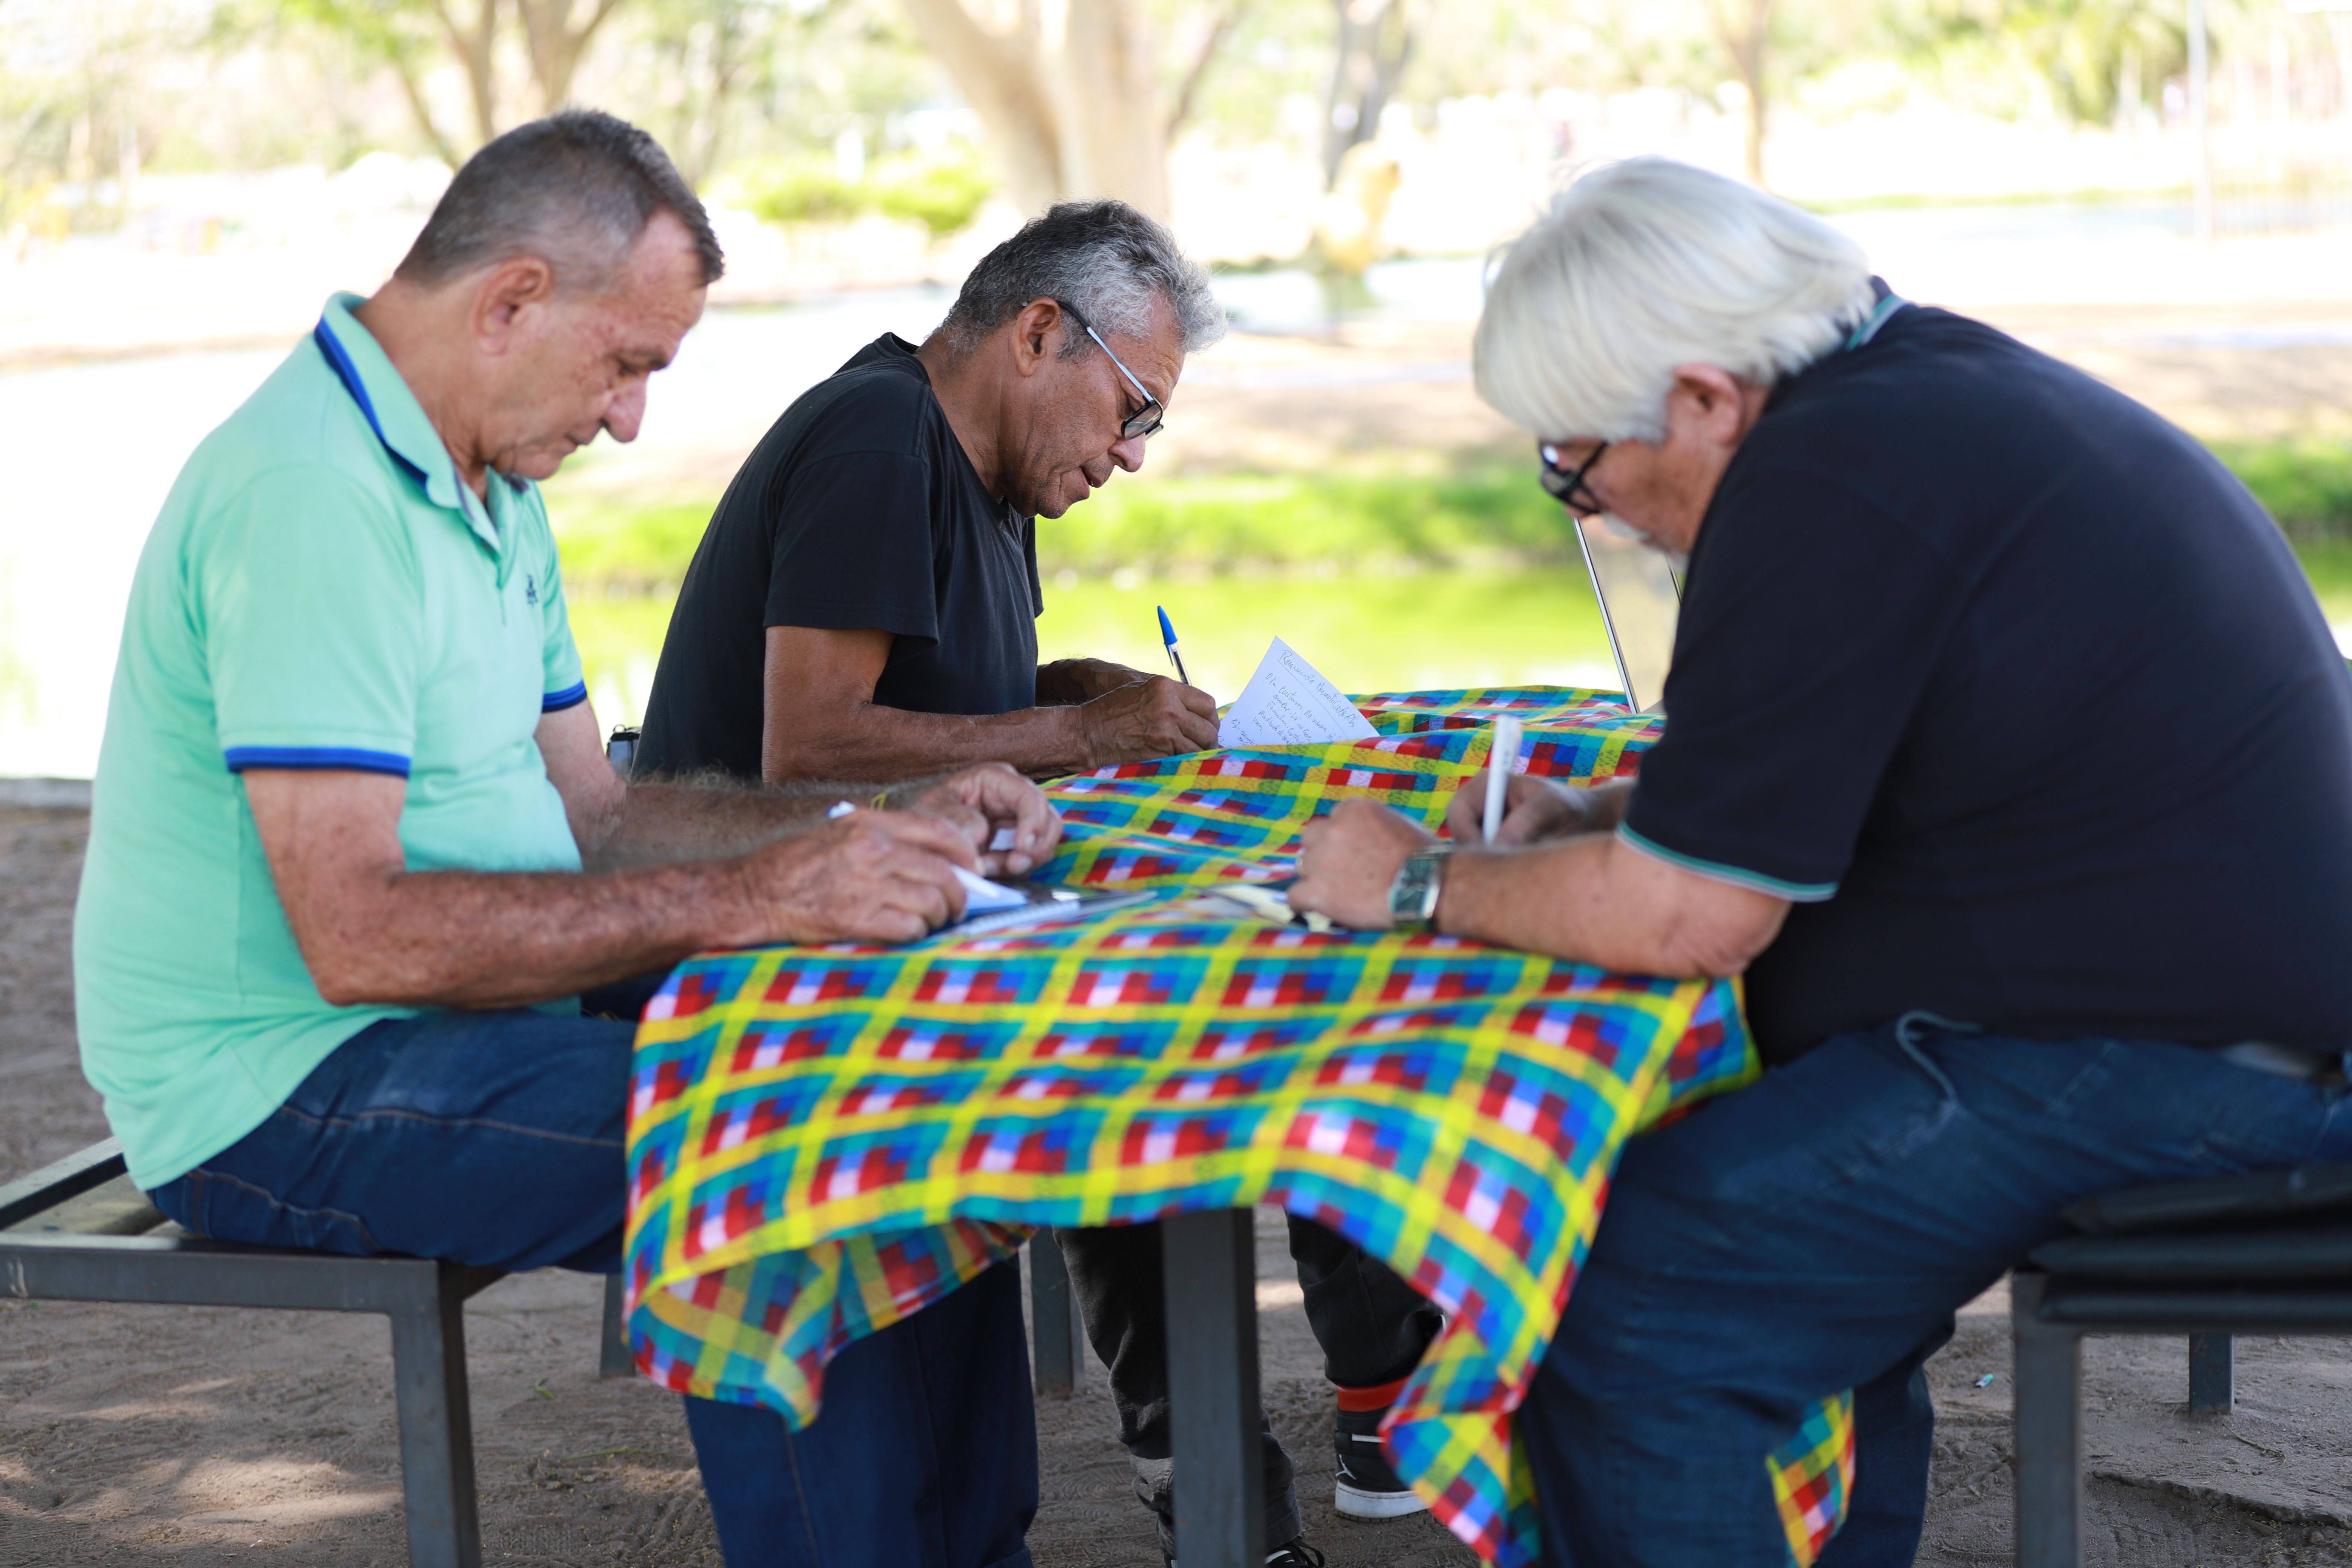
[[1292, 1554], [1368, 1485]]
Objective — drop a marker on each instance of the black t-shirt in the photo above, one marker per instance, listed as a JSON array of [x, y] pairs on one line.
[[2024, 700], [857, 509]]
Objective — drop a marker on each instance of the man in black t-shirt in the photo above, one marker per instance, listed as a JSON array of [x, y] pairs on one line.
[[864, 604], [2008, 756], [863, 607]]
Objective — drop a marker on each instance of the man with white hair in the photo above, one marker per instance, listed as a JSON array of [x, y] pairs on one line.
[[2008, 758]]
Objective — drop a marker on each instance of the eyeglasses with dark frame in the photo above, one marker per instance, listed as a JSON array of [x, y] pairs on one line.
[[1562, 483], [1144, 421]]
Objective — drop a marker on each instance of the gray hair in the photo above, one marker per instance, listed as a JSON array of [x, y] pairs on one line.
[[1647, 264], [576, 190], [1109, 260]]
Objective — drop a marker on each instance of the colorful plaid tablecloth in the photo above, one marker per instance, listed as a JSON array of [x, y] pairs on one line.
[[822, 1141]]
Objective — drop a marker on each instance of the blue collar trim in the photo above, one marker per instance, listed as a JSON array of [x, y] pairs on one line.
[[348, 373], [1868, 327]]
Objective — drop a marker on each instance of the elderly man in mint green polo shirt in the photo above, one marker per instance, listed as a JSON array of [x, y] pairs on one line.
[[356, 853]]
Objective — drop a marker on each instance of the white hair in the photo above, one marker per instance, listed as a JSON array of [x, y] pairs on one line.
[[1647, 264]]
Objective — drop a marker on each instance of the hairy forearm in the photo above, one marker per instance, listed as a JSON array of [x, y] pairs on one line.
[[700, 817], [1592, 900], [893, 744], [466, 939], [1067, 680]]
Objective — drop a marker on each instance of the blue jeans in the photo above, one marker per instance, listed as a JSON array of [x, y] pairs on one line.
[[496, 1138], [1817, 1232]]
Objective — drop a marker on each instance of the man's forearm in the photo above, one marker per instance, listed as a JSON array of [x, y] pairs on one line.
[[1592, 900], [696, 818], [893, 744], [469, 938]]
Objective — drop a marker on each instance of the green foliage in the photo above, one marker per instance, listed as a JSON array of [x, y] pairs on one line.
[[1487, 516], [2306, 484], [802, 189], [1245, 523], [942, 193]]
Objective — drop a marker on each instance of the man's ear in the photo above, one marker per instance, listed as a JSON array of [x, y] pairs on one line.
[[506, 291], [1707, 399], [1032, 335]]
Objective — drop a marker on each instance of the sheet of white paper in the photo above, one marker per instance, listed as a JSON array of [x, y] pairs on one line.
[[980, 895], [1287, 704]]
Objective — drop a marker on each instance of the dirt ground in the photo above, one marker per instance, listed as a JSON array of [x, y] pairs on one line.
[[154, 1435]]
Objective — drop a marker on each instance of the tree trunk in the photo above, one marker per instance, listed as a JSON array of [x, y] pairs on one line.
[[1745, 28], [476, 45], [998, 75], [1113, 133], [556, 46], [1374, 44], [1070, 104]]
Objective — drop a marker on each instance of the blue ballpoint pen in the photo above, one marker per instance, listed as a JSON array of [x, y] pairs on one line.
[[1168, 635]]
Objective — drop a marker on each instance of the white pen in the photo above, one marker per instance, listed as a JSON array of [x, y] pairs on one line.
[[1502, 758]]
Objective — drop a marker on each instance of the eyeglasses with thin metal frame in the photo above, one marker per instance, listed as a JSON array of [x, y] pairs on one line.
[[1563, 484], [1144, 421]]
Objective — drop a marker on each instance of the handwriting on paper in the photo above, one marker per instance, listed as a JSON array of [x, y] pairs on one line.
[[1289, 703]]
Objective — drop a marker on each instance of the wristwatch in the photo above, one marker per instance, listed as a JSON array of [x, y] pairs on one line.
[[1412, 897]]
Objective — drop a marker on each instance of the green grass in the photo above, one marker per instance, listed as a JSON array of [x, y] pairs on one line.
[[2306, 482], [1386, 582], [1488, 518]]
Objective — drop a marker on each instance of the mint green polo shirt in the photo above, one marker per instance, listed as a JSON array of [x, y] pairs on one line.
[[319, 591]]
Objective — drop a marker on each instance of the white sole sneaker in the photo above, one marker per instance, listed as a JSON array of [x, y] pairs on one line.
[[1357, 1503]]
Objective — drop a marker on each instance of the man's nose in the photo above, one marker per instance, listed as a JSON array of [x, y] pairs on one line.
[[626, 412], [1127, 453]]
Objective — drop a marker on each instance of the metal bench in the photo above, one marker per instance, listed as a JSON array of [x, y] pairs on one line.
[[2269, 1253], [78, 1231]]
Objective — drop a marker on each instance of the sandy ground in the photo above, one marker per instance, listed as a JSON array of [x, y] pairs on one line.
[[157, 1434]]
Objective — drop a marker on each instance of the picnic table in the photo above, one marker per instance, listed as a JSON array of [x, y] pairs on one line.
[[824, 1140]]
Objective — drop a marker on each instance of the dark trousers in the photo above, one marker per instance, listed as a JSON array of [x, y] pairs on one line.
[[925, 1454], [1816, 1232], [1371, 1325]]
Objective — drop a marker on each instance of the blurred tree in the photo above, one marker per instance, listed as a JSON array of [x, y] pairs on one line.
[[1373, 43], [1744, 28], [710, 56], [1070, 94], [403, 38], [558, 34], [1072, 111], [405, 35], [2093, 56]]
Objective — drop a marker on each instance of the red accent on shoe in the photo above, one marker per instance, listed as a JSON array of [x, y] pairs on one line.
[[1379, 1398]]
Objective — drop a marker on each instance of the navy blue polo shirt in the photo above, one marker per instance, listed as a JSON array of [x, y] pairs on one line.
[[2025, 703]]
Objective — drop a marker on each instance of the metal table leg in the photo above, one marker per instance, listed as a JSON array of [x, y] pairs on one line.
[[1057, 1356], [2045, 1385], [613, 1358], [1213, 1396], [2210, 1373]]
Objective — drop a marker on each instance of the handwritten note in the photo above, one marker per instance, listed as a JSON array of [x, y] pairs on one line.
[[1289, 703]]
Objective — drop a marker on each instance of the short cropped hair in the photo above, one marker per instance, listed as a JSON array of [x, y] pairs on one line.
[[1647, 264], [1109, 260], [575, 189]]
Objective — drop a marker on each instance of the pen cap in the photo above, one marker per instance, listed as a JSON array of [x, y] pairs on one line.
[[1167, 632]]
